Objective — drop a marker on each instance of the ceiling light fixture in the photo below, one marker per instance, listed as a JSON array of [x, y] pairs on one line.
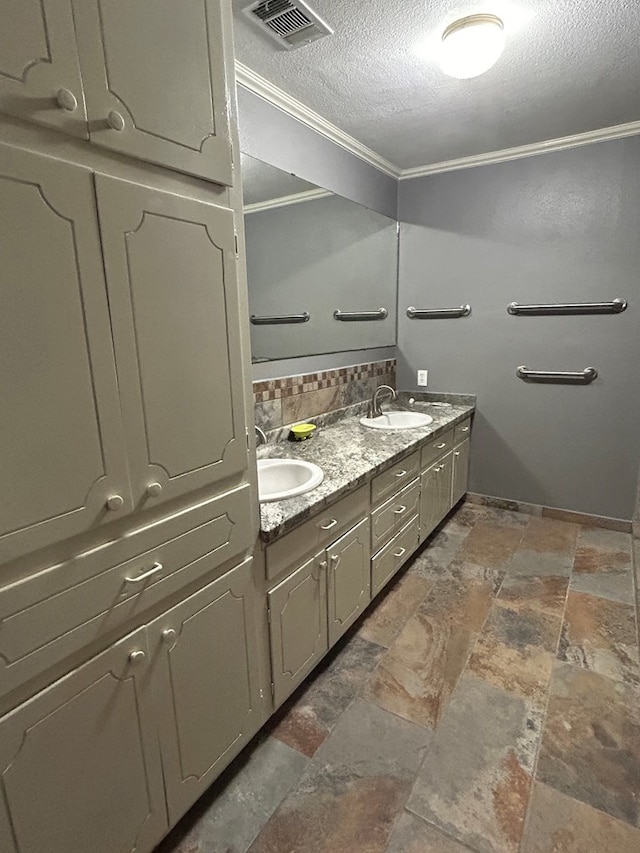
[[472, 45]]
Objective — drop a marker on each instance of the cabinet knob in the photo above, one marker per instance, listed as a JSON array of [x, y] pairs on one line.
[[66, 100], [154, 489], [169, 635], [115, 120], [323, 564], [136, 657], [115, 502]]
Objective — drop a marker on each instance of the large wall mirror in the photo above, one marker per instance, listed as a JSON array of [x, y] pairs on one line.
[[322, 270]]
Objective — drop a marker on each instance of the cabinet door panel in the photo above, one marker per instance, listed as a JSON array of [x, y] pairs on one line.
[[435, 495], [37, 59], [79, 763], [160, 66], [460, 471], [445, 478], [349, 583], [171, 275], [298, 625], [206, 675], [61, 446]]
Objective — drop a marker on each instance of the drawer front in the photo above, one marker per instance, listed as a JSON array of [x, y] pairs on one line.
[[388, 483], [394, 554], [436, 448], [394, 514], [316, 533], [462, 431], [48, 617]]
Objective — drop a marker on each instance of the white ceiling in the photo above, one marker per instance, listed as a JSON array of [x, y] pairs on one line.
[[570, 66]]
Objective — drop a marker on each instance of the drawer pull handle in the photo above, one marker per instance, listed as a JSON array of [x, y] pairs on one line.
[[400, 510], [441, 445], [136, 657], [66, 100], [400, 553], [331, 524], [169, 635], [402, 473], [157, 567], [115, 502]]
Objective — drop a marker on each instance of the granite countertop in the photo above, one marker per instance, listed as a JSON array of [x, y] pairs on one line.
[[350, 455]]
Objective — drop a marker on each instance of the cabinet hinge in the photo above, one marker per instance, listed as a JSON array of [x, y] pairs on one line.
[[236, 241], [269, 615], [273, 690], [247, 435]]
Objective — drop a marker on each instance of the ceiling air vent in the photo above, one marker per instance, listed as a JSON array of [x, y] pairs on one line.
[[290, 24]]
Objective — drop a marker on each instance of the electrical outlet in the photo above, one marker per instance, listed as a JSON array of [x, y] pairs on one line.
[[422, 378]]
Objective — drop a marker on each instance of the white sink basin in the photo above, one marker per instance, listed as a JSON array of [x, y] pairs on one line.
[[285, 478], [397, 420]]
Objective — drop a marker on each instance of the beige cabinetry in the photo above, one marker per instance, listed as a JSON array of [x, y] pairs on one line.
[[80, 767], [435, 496], [206, 684], [82, 446], [172, 280], [39, 69], [460, 471], [153, 76], [62, 455], [348, 587], [297, 609], [86, 763]]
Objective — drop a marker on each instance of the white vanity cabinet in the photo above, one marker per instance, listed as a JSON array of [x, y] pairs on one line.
[[80, 767], [112, 754], [82, 445], [445, 475], [460, 478], [39, 68], [153, 76]]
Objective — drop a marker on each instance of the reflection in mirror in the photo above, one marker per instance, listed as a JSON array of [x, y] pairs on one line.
[[310, 254]]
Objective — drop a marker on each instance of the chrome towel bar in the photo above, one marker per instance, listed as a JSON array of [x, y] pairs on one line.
[[615, 307], [354, 316], [438, 313], [580, 377], [280, 319]]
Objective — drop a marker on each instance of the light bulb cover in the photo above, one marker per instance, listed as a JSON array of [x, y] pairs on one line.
[[472, 45]]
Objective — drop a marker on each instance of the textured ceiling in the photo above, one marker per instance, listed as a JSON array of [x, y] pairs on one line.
[[569, 66]]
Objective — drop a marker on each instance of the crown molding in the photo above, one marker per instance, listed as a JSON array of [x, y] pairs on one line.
[[619, 131], [286, 200], [259, 86]]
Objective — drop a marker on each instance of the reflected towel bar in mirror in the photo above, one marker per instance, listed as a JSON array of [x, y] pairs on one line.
[[280, 319], [580, 377], [615, 307], [438, 313], [354, 316]]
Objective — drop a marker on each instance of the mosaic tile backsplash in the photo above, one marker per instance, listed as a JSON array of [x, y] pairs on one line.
[[279, 402]]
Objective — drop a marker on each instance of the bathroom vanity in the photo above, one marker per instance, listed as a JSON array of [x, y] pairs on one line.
[[327, 553]]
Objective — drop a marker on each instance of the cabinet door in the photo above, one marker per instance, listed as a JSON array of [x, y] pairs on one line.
[[435, 495], [61, 453], [79, 763], [460, 471], [349, 579], [155, 81], [298, 625], [173, 292], [207, 686], [39, 72]]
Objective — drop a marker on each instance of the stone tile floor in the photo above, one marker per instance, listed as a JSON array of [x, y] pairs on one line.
[[489, 702]]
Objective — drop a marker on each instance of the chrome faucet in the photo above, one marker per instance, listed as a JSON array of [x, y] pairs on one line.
[[374, 406], [262, 438]]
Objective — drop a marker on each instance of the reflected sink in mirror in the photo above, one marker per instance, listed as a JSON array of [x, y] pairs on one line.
[[285, 478], [397, 420]]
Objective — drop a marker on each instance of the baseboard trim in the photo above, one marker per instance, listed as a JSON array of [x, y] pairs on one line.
[[572, 516]]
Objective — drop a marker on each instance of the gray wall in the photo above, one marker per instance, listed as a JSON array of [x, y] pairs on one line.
[[277, 138], [556, 227], [317, 256]]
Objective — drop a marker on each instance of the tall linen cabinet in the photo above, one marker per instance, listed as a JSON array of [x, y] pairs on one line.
[[132, 663]]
